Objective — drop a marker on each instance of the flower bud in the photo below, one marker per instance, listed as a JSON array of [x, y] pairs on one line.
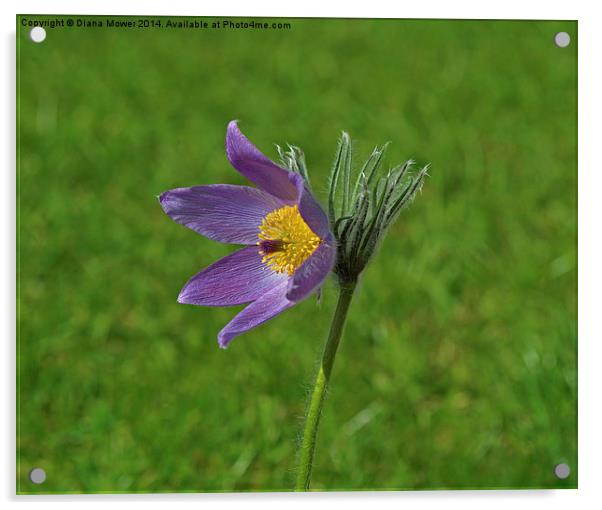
[[362, 205]]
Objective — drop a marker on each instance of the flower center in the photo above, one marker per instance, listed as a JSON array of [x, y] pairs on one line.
[[285, 240]]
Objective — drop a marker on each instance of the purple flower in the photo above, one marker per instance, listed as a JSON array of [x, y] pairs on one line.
[[289, 248]]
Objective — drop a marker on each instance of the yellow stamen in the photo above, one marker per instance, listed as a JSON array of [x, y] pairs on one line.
[[286, 240]]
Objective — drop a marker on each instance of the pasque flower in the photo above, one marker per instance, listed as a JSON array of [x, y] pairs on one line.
[[289, 249]]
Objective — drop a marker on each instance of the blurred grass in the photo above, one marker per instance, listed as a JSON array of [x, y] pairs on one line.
[[458, 368]]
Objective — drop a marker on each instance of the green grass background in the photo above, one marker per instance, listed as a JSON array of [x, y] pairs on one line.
[[458, 366]]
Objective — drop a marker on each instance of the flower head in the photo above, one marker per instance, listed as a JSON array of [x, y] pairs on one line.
[[289, 249]]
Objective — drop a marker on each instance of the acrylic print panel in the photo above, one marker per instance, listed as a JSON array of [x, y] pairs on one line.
[[455, 276]]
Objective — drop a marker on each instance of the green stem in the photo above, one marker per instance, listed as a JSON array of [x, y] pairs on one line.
[[314, 411]]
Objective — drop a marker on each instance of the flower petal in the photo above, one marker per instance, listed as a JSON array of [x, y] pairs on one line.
[[264, 308], [238, 278], [225, 213], [256, 167], [313, 214], [313, 271]]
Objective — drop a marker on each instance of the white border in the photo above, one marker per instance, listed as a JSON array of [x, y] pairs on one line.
[[590, 254]]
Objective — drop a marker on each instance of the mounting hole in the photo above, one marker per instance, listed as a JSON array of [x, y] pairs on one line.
[[37, 476], [37, 34], [562, 39], [562, 471]]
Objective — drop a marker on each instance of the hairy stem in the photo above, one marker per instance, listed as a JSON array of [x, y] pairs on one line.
[[314, 410]]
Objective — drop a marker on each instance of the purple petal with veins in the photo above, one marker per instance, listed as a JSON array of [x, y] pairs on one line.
[[222, 212], [266, 174], [238, 278], [259, 311]]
